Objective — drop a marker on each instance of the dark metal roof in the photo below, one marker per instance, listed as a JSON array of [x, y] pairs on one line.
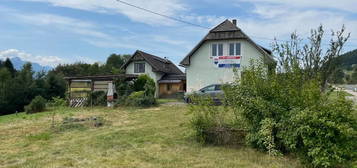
[[158, 64], [225, 31], [102, 77], [174, 77], [170, 78]]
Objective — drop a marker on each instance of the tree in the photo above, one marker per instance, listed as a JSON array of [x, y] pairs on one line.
[[353, 79], [115, 62], [10, 67], [337, 76], [5, 90], [310, 59], [56, 85]]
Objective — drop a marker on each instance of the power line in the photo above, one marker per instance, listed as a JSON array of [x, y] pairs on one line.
[[166, 16], [197, 25]]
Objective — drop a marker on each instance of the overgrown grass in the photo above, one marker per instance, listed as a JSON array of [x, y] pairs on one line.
[[166, 100], [153, 137]]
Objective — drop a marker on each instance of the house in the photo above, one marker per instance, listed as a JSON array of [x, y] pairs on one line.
[[224, 48], [169, 79]]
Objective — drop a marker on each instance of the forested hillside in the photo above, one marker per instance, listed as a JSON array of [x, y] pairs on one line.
[[346, 72]]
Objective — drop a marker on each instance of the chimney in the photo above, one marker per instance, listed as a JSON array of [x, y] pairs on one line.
[[234, 21]]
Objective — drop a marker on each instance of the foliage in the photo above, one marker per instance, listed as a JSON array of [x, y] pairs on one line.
[[9, 66], [38, 104], [18, 88], [213, 124], [140, 82], [284, 112], [140, 99], [348, 59], [112, 66], [58, 102], [310, 57], [143, 95], [115, 62], [97, 98]]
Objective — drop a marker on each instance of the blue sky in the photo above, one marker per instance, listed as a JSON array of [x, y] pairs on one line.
[[50, 32]]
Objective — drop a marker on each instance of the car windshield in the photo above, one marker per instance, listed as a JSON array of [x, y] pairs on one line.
[[218, 87], [208, 88]]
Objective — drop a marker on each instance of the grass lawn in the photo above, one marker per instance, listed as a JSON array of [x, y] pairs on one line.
[[153, 137]]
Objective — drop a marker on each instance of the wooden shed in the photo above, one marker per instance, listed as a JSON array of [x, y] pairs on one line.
[[80, 87]]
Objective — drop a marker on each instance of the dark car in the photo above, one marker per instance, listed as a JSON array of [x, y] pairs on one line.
[[214, 91]]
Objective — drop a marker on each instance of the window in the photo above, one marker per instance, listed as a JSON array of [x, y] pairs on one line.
[[238, 47], [168, 87], [220, 49], [214, 49], [231, 49], [208, 88], [234, 49], [139, 68], [218, 87], [217, 49]]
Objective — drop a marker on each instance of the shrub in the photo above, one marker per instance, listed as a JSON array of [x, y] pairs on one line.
[[139, 83], [213, 124], [140, 99], [286, 112], [97, 98], [38, 104], [144, 95], [58, 102]]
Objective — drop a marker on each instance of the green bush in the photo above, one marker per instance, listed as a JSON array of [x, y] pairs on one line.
[[97, 98], [38, 104], [58, 102], [213, 124], [286, 112], [140, 82], [144, 94], [140, 99]]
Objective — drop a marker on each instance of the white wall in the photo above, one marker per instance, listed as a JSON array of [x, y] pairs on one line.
[[148, 70], [203, 72]]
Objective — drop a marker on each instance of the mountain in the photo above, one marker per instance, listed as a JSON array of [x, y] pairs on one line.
[[18, 63], [346, 72], [348, 60]]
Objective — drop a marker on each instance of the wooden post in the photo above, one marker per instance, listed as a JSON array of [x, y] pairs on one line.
[[69, 92], [91, 91]]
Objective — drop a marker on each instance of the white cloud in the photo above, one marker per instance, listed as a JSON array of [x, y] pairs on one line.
[[279, 18], [63, 23], [42, 60], [170, 8], [343, 5]]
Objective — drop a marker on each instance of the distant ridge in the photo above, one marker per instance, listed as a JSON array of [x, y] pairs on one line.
[[18, 63]]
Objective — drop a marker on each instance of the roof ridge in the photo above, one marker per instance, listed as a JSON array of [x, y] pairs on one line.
[[226, 25]]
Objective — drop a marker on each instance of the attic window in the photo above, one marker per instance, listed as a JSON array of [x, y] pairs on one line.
[[217, 49], [139, 68], [234, 49]]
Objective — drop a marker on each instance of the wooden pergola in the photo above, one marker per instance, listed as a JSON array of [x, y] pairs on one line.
[[80, 86]]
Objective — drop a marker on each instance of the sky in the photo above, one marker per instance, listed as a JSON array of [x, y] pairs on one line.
[[52, 32]]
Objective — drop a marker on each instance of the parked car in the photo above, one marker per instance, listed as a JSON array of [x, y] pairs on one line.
[[214, 91]]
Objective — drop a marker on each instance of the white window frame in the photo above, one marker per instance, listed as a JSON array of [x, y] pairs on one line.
[[234, 49], [138, 68], [217, 49]]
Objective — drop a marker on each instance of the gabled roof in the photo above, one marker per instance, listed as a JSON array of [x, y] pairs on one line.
[[158, 64], [226, 31]]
